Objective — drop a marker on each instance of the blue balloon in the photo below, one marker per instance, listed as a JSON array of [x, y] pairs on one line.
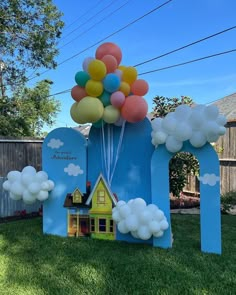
[[111, 83]]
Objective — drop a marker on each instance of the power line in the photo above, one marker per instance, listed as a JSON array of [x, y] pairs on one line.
[[188, 62], [165, 68], [61, 92], [86, 12], [112, 34], [185, 46], [89, 19], [95, 24]]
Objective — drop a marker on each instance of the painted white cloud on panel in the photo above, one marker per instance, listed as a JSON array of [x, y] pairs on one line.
[[210, 179], [55, 143], [73, 170]]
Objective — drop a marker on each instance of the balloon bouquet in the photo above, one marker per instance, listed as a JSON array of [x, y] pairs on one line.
[[108, 93]]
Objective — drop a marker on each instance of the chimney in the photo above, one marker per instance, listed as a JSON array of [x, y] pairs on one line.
[[88, 187]]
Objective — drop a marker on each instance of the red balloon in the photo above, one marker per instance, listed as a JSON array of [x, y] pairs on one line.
[[109, 48], [78, 93], [134, 109], [139, 87], [110, 63]]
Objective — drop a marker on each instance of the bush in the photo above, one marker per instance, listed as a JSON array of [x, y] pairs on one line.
[[228, 201]]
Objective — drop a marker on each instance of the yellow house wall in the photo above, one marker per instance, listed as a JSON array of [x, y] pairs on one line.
[[101, 208]]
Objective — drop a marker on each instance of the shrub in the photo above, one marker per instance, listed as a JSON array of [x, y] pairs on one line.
[[228, 201]]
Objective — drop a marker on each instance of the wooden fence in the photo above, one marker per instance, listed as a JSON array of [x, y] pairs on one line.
[[226, 150], [15, 154]]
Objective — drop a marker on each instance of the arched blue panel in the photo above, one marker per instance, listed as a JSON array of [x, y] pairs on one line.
[[132, 174], [65, 161], [210, 194]]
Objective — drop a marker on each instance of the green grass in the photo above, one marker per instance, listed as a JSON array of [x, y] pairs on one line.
[[33, 263]]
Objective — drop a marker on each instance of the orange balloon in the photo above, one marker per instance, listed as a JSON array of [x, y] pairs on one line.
[[139, 87], [110, 63], [111, 49], [134, 109], [78, 93]]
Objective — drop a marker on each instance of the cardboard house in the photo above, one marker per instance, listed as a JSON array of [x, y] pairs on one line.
[[90, 214]]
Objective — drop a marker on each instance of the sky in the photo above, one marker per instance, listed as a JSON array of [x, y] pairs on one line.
[[90, 23]]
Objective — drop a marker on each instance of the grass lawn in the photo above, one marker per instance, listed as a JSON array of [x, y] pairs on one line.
[[33, 263]]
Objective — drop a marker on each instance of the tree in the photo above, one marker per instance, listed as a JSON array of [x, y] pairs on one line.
[[182, 163], [29, 32], [28, 110]]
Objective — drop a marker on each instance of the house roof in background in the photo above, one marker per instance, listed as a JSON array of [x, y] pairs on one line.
[[227, 106], [84, 129]]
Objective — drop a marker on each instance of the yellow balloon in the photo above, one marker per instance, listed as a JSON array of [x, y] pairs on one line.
[[74, 112], [129, 75], [90, 109], [97, 69], [111, 114], [122, 68], [94, 88], [125, 88]]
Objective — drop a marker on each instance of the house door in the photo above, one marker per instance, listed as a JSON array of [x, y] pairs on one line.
[[84, 226]]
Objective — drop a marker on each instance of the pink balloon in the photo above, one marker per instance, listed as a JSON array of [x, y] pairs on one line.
[[109, 48], [110, 63], [134, 109], [117, 99], [77, 93], [139, 87]]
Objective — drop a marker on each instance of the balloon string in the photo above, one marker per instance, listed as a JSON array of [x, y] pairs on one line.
[[104, 150], [108, 152], [118, 150], [112, 145]]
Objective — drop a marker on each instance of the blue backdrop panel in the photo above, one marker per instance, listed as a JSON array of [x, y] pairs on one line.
[[132, 172], [65, 161], [209, 200]]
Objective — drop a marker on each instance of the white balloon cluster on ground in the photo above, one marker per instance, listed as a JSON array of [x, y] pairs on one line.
[[199, 124], [28, 185], [140, 219]]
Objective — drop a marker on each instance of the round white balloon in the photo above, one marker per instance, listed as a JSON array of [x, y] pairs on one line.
[[6, 185], [13, 176], [29, 169], [15, 197], [42, 196], [173, 145]]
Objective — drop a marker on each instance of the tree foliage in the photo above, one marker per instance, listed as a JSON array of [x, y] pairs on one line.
[[182, 163], [26, 113], [29, 30]]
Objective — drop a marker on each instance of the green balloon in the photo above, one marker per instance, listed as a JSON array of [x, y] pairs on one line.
[[81, 78], [105, 98], [99, 123]]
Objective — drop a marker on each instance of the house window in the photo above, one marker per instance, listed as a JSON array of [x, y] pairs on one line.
[[101, 196], [111, 226], [77, 197], [102, 225], [92, 225]]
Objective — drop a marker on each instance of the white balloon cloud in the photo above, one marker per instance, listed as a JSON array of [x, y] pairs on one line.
[[198, 124], [141, 220], [28, 185]]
